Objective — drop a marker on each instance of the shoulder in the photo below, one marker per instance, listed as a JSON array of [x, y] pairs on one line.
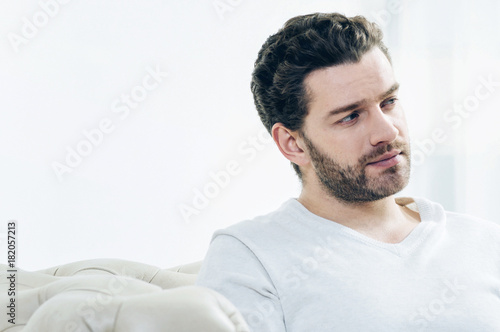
[[246, 248], [473, 223], [263, 226], [454, 221]]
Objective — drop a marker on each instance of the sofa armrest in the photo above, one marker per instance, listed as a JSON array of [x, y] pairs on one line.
[[117, 295], [182, 275]]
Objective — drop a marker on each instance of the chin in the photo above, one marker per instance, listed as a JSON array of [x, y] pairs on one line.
[[390, 183]]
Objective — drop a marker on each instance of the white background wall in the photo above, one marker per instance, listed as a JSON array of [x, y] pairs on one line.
[[69, 73]]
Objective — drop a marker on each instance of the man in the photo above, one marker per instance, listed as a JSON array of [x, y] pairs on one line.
[[346, 255]]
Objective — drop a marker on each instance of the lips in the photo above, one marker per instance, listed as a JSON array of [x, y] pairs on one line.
[[383, 159]]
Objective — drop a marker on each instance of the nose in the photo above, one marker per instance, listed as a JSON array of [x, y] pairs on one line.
[[383, 130]]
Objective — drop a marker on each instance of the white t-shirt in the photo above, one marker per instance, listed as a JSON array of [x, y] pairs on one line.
[[294, 271]]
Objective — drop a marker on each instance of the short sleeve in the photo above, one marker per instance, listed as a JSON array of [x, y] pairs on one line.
[[233, 270]]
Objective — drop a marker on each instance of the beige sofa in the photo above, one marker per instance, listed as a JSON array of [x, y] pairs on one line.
[[115, 295]]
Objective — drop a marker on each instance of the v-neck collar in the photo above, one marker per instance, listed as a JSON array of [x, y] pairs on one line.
[[431, 214]]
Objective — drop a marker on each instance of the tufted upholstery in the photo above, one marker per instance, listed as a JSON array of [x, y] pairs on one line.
[[116, 295]]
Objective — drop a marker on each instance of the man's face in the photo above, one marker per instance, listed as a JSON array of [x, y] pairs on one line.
[[355, 132]]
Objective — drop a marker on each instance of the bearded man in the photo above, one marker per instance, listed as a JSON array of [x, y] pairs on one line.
[[346, 255]]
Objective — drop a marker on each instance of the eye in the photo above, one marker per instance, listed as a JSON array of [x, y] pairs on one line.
[[351, 117], [389, 102]]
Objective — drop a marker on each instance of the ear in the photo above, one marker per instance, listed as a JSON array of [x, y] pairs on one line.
[[289, 144]]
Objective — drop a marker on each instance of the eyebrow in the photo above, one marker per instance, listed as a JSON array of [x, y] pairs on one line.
[[353, 106]]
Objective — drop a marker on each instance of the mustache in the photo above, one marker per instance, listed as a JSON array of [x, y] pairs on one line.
[[404, 147]]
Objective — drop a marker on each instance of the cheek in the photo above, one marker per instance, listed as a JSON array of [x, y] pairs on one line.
[[402, 126], [349, 149], [400, 122]]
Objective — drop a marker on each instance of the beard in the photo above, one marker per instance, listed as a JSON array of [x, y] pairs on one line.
[[350, 183]]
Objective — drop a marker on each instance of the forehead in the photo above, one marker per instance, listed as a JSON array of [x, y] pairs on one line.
[[341, 85]]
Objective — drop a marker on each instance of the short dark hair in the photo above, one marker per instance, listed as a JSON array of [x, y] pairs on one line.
[[304, 44]]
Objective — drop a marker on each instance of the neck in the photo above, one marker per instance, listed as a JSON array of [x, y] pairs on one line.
[[383, 220]]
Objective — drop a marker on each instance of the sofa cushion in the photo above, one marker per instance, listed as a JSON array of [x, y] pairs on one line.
[[117, 295]]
